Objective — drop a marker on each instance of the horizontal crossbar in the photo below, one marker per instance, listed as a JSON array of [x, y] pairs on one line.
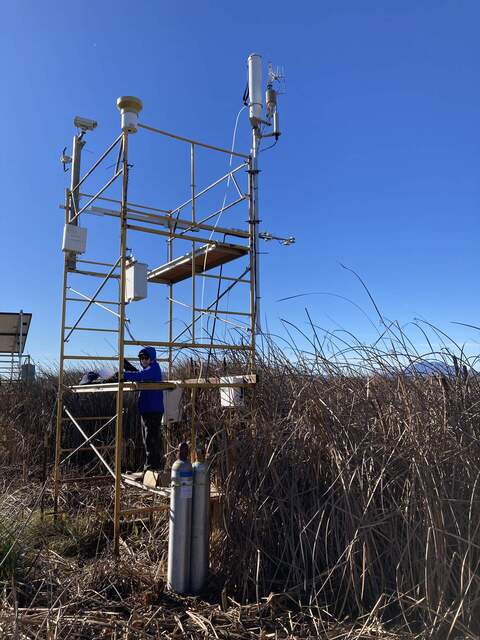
[[194, 142], [95, 274], [189, 345], [92, 329]]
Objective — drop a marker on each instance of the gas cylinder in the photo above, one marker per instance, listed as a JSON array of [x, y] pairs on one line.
[[180, 521], [199, 559]]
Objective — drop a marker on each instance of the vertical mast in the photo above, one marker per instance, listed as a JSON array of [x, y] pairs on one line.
[[77, 146], [129, 107], [121, 346], [61, 365], [255, 114], [20, 345]]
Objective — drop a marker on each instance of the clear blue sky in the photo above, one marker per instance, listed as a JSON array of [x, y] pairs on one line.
[[378, 168]]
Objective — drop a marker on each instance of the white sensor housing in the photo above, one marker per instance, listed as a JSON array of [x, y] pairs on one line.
[[129, 107], [136, 281], [255, 88], [232, 396], [74, 239]]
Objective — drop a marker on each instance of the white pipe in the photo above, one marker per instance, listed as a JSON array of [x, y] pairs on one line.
[[255, 88]]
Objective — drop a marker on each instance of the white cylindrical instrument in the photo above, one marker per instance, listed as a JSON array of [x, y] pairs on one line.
[[255, 88]]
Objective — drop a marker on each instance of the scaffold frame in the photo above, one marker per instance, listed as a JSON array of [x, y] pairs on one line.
[[206, 254]]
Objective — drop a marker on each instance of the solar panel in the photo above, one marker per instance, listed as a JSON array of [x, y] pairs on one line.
[[11, 332]]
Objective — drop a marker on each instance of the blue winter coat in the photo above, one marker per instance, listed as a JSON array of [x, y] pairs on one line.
[[148, 401]]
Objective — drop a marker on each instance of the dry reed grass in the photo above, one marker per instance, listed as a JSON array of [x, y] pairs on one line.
[[349, 487]]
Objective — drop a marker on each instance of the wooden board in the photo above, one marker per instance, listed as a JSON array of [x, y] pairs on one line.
[[206, 257], [105, 387], [168, 385]]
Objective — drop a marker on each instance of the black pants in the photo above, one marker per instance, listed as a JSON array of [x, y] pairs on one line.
[[153, 440]]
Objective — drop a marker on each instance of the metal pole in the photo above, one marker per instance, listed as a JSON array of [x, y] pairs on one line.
[[256, 221], [192, 169], [194, 394], [170, 308], [20, 346], [58, 431], [253, 257], [77, 146], [121, 348]]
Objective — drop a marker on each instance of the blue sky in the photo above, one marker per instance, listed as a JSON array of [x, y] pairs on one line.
[[377, 168]]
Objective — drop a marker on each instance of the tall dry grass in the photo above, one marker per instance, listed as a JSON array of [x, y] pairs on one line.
[[348, 484], [354, 486]]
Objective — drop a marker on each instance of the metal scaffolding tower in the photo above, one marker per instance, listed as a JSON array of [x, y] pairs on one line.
[[197, 249], [201, 251]]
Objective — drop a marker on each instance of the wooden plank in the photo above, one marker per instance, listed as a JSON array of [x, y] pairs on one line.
[[167, 385], [250, 378], [105, 387], [205, 258]]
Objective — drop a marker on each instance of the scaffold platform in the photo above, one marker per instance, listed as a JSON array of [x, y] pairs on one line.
[[205, 258]]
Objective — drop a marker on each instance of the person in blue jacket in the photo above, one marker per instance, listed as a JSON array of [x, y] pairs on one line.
[[150, 407]]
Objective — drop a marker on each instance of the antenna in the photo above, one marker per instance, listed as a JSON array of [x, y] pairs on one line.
[[65, 159], [277, 74]]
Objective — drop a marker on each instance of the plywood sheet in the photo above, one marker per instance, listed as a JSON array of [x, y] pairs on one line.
[[206, 257]]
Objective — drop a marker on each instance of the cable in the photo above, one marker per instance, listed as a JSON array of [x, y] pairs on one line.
[[269, 147]]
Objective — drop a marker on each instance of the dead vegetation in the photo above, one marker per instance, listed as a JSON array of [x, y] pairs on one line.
[[351, 510]]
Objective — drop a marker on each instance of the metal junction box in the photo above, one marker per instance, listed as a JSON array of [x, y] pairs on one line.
[[74, 238], [136, 281], [232, 396]]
